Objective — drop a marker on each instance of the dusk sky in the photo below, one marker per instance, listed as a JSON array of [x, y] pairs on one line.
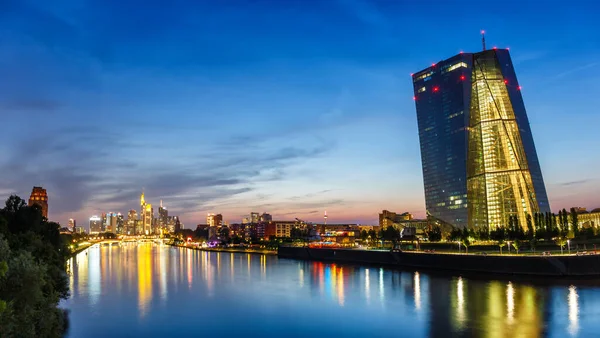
[[287, 107]]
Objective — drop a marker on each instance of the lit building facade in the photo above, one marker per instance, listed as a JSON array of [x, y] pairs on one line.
[[479, 161], [95, 225], [39, 197], [72, 224], [214, 220], [146, 216], [132, 217]]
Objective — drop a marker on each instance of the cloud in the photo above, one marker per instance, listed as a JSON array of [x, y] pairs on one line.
[[575, 70], [366, 13], [574, 183], [99, 168], [31, 104]]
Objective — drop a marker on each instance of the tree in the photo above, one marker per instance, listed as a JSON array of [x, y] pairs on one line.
[[434, 233], [530, 232], [574, 222], [466, 239], [561, 241], [455, 235], [364, 235], [32, 273], [565, 220], [516, 244]]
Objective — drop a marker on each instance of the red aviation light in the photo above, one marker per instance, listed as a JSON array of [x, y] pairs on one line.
[[495, 48], [433, 65], [505, 81], [519, 87], [462, 77], [411, 74], [414, 98], [436, 88], [461, 52]]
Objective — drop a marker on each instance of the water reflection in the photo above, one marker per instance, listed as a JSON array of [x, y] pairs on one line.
[[573, 301], [158, 285]]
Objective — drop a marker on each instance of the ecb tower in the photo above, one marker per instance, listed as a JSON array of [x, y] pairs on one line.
[[480, 166]]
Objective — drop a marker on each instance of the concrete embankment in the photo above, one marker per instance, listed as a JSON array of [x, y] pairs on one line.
[[559, 266]]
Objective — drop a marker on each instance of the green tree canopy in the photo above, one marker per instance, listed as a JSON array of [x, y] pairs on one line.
[[32, 273]]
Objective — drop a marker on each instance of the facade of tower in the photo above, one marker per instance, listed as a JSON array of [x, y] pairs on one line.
[[146, 216], [480, 166], [39, 197]]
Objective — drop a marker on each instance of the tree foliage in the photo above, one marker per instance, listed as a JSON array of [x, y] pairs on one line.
[[434, 233], [32, 273]]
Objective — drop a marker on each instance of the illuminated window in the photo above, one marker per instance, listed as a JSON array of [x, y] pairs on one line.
[[455, 66], [422, 89], [423, 76]]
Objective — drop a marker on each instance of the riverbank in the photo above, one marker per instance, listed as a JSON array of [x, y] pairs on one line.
[[231, 250], [556, 266], [81, 248]]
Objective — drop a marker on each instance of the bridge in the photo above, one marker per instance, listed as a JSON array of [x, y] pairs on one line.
[[131, 240]]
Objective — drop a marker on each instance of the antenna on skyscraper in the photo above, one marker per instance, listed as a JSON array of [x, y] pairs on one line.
[[483, 38]]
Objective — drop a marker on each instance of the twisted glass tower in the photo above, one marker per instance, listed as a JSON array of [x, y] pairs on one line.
[[480, 166]]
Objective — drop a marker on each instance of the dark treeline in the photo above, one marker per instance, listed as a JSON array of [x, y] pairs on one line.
[[32, 273]]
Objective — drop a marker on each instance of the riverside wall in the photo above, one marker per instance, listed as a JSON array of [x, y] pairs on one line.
[[558, 266]]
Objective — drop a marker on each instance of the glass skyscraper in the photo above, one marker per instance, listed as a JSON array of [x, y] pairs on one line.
[[480, 166]]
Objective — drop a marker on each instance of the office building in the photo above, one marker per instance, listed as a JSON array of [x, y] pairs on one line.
[[146, 216], [95, 225], [389, 218], [254, 217], [266, 217], [131, 222], [72, 224], [163, 216], [480, 166], [39, 197], [214, 220]]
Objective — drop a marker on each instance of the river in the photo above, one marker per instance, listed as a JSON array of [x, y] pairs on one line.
[[151, 290]]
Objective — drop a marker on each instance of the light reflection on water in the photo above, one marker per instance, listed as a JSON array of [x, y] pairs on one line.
[[152, 290]]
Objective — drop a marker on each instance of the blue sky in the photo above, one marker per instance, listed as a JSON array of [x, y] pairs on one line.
[[289, 107]]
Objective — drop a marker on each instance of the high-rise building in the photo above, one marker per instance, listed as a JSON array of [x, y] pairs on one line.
[[95, 225], [480, 166], [72, 224], [214, 220], [39, 197], [131, 220], [163, 216], [146, 216], [266, 217], [120, 226], [254, 217]]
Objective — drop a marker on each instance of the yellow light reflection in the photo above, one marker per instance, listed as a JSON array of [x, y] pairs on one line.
[[144, 279], [340, 287], [189, 268], [301, 277], [573, 300], [381, 288], [510, 303], [417, 290], [231, 264], [460, 299]]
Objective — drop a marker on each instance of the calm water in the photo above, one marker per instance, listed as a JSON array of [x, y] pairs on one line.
[[150, 290]]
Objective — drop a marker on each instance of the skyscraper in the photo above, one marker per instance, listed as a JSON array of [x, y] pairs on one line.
[[214, 220], [39, 197], [146, 215], [131, 220], [163, 215], [95, 225], [480, 166], [72, 224]]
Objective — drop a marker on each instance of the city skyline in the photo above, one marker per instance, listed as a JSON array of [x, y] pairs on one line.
[[317, 117]]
